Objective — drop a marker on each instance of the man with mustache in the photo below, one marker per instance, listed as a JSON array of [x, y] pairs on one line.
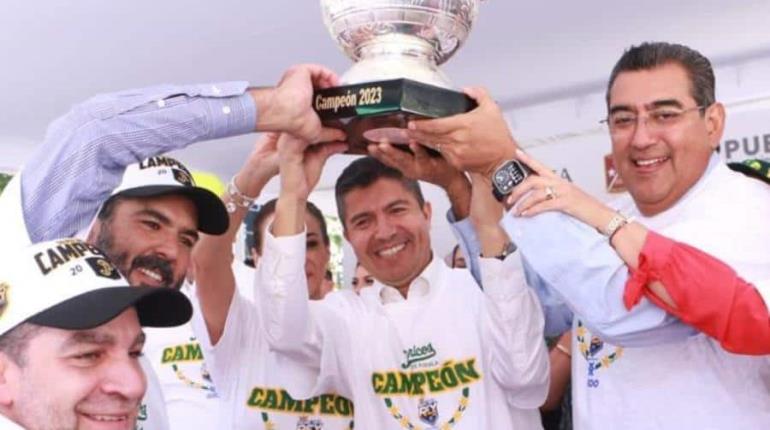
[[92, 178], [664, 124], [71, 338]]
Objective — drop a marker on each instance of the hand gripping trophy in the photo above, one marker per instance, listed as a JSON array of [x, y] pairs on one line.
[[397, 46]]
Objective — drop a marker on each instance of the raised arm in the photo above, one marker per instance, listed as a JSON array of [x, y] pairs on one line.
[[283, 294], [213, 255], [512, 324], [86, 151], [570, 258]]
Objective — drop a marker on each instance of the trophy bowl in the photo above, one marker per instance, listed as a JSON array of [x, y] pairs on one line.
[[391, 39], [396, 46]]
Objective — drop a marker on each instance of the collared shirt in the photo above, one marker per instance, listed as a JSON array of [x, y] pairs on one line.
[[362, 346], [617, 386], [574, 270], [418, 289]]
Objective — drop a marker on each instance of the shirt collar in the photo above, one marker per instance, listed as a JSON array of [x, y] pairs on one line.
[[419, 289]]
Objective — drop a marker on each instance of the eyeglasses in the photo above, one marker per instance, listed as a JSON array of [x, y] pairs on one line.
[[624, 123]]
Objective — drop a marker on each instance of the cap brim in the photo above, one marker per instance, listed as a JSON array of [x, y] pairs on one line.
[[212, 215], [155, 306], [748, 171]]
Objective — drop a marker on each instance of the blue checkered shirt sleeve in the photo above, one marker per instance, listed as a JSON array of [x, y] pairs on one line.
[[86, 151]]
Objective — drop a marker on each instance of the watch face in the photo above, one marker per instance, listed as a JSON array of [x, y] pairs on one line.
[[508, 176], [501, 177]]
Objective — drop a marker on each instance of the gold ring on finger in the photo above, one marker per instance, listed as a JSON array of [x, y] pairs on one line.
[[550, 194]]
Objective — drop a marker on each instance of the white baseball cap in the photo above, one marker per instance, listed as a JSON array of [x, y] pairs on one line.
[[158, 176], [69, 284]]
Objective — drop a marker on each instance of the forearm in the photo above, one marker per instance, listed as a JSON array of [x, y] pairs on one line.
[[459, 193], [213, 257], [575, 261], [225, 357], [560, 359], [85, 152], [283, 298]]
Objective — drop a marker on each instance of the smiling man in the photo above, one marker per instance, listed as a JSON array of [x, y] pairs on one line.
[[71, 338], [99, 175], [665, 125], [423, 347]]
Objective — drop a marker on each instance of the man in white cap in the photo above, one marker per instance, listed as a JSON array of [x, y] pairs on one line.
[[149, 223], [71, 338], [148, 227]]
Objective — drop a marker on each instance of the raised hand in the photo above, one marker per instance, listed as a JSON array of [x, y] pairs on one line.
[[260, 167], [289, 107], [301, 163], [477, 141], [418, 164]]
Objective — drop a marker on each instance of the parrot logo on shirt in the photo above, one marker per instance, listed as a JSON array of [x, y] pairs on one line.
[[427, 409], [309, 424]]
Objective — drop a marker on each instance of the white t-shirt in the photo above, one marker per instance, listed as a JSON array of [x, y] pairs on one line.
[[690, 384], [448, 357], [178, 361], [245, 372]]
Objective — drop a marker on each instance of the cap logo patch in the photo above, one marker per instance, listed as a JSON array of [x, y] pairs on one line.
[[63, 252], [4, 287], [103, 268], [183, 177]]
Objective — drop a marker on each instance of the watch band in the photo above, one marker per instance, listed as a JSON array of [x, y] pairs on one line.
[[507, 250], [498, 195]]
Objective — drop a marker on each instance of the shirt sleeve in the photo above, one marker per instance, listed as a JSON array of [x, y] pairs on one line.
[[708, 294], [311, 335], [85, 152], [513, 326], [466, 237], [578, 265], [558, 316]]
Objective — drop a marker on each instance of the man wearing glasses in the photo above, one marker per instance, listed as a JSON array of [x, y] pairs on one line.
[[640, 367]]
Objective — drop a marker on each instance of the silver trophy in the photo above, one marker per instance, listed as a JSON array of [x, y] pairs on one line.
[[397, 46]]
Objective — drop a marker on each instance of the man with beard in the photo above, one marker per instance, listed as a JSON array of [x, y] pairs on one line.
[[153, 219], [71, 338], [423, 334]]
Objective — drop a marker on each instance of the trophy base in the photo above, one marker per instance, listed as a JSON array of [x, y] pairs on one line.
[[373, 111]]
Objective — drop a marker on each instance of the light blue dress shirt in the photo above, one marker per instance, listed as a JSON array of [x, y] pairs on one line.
[[576, 273], [86, 151]]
